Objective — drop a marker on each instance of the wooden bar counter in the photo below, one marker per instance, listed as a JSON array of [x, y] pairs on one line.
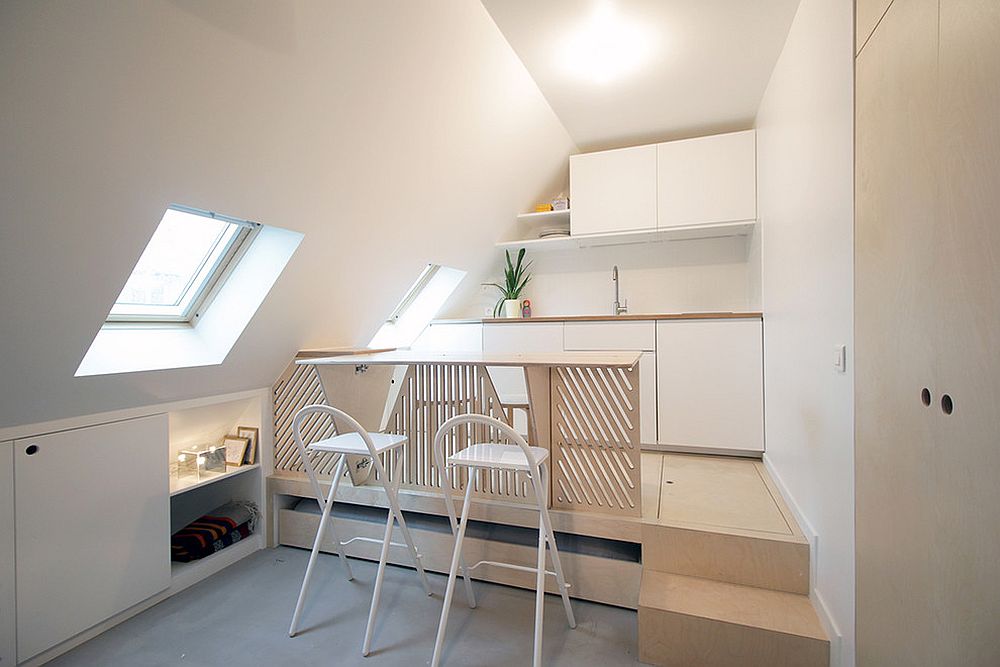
[[581, 406]]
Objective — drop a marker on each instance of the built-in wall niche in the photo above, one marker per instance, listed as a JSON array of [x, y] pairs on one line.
[[208, 426], [193, 496]]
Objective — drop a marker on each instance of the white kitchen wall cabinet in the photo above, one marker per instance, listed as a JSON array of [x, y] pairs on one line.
[[630, 336], [92, 527], [8, 629], [613, 191], [710, 392], [706, 180]]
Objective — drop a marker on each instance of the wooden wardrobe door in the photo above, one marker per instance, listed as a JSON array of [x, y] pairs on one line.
[[897, 154], [928, 315], [965, 551]]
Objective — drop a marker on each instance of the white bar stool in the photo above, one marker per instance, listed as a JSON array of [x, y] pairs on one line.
[[353, 440], [518, 457]]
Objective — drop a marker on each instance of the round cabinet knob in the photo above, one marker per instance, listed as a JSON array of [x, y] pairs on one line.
[[31, 450]]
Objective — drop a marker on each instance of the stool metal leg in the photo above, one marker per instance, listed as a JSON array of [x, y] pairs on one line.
[[470, 596], [453, 571], [556, 561], [539, 591], [392, 494], [324, 521], [395, 514]]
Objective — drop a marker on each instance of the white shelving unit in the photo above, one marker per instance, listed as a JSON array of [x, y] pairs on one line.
[[179, 486], [685, 233], [545, 218]]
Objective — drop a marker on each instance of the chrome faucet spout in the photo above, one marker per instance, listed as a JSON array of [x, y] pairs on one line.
[[618, 307]]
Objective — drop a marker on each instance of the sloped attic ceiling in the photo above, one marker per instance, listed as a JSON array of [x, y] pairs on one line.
[[390, 133], [629, 72]]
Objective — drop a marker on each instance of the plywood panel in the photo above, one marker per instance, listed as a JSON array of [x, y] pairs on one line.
[[867, 15], [927, 286]]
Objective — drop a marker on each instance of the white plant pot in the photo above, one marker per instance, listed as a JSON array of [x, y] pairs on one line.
[[511, 308]]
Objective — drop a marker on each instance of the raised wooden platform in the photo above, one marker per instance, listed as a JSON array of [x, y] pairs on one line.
[[725, 568]]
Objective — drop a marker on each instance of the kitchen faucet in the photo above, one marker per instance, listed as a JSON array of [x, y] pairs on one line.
[[617, 308]]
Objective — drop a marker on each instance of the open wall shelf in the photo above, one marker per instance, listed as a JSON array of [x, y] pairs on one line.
[[179, 486], [685, 233]]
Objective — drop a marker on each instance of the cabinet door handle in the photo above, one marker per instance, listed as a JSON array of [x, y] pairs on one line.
[[31, 450]]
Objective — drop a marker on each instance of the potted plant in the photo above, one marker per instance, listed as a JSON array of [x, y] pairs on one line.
[[516, 276]]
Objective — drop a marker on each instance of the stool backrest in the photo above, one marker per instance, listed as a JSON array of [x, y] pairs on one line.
[[344, 422], [484, 420]]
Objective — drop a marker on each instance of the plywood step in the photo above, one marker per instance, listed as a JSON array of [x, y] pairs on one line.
[[776, 562], [692, 621]]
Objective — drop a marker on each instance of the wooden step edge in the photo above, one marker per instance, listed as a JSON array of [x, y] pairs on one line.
[[773, 564], [736, 604]]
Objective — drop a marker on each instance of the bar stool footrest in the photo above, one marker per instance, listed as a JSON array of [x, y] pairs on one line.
[[512, 566], [375, 541]]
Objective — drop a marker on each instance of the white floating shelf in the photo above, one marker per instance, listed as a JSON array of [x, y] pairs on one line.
[[685, 233], [179, 486], [545, 217], [183, 575]]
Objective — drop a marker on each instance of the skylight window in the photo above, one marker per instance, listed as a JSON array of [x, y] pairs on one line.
[[188, 258], [419, 306]]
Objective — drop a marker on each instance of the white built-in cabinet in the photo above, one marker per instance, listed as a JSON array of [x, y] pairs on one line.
[[515, 339], [8, 626], [630, 336], [92, 527], [706, 180], [613, 191], [710, 385], [701, 181]]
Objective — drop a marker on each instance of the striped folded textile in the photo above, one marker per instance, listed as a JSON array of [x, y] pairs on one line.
[[215, 531]]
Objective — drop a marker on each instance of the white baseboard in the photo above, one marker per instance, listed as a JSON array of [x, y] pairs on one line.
[[815, 595]]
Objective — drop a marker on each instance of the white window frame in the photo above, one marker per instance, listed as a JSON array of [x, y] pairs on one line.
[[209, 278]]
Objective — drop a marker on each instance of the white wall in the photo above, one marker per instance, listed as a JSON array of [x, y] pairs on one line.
[[805, 173], [390, 133], [683, 276]]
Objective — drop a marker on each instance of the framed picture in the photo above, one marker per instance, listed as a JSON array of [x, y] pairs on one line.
[[251, 433], [236, 449]]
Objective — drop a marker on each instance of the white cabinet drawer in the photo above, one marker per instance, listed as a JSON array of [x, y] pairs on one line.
[[451, 337], [628, 335]]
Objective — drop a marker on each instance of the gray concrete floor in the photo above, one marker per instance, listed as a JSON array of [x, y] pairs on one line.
[[240, 617]]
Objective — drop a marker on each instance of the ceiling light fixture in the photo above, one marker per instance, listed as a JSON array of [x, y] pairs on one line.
[[605, 46]]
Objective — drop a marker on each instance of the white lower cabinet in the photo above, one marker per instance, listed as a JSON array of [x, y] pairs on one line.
[[516, 339], [8, 629], [92, 527], [625, 336], [710, 387]]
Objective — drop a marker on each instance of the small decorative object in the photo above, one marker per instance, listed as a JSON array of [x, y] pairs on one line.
[[516, 277], [236, 449], [543, 208], [252, 434], [561, 202], [526, 308], [205, 459]]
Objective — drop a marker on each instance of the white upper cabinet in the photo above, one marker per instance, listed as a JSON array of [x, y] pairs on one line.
[[613, 191], [706, 180]]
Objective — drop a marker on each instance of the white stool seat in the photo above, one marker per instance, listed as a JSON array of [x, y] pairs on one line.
[[354, 440], [353, 443], [500, 457]]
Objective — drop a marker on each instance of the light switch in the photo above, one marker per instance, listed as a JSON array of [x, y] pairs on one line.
[[840, 358]]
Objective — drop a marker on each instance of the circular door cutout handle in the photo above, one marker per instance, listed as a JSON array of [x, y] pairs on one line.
[[925, 396], [947, 405], [31, 450]]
